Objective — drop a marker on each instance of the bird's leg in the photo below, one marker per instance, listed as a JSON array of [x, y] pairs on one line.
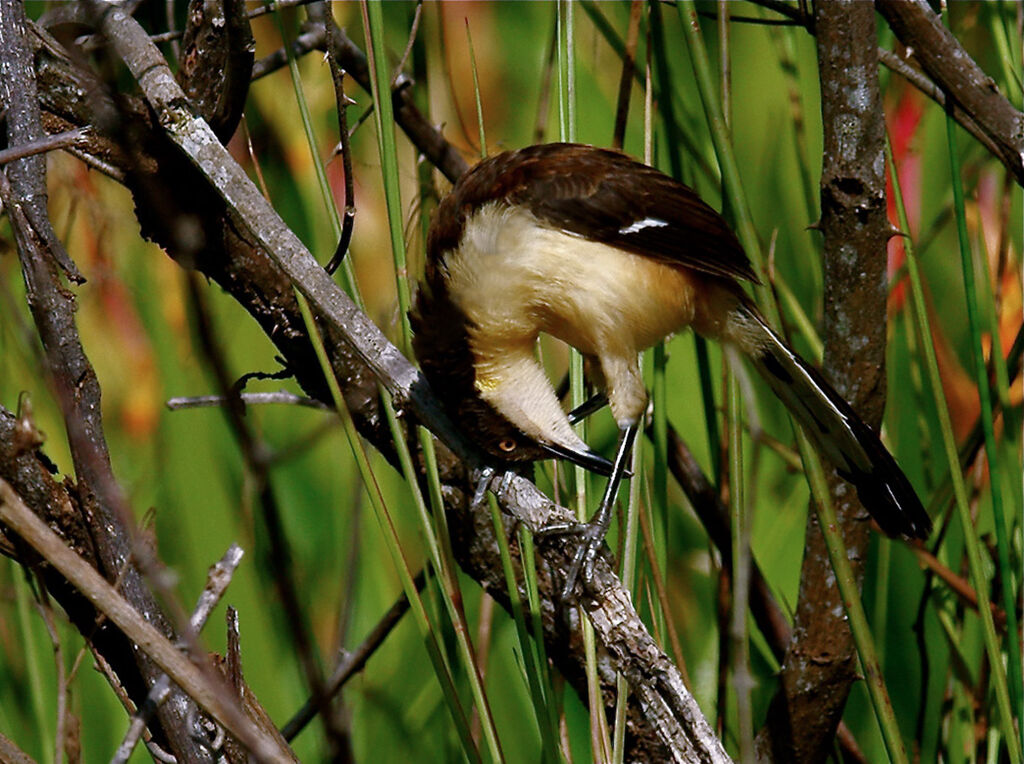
[[594, 532], [588, 407]]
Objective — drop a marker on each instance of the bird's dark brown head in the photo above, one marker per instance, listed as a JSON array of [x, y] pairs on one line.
[[441, 340], [441, 345]]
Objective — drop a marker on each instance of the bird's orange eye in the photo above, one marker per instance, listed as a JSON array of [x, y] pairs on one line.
[[508, 445]]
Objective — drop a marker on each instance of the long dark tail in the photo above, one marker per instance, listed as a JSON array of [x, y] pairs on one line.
[[834, 427]]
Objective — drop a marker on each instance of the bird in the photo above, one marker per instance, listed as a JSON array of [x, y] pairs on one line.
[[610, 256]]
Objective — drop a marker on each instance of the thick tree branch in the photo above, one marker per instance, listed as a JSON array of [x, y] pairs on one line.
[[820, 664], [933, 91], [960, 78], [956, 81]]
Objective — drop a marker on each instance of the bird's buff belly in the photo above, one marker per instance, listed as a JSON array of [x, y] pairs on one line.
[[515, 279]]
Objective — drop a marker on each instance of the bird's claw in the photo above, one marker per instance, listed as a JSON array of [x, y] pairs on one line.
[[591, 537], [582, 567], [486, 475]]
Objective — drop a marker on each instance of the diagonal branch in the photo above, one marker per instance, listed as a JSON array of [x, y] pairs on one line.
[[951, 77], [964, 82], [205, 686]]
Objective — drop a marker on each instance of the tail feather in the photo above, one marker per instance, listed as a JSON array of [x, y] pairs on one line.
[[839, 433]]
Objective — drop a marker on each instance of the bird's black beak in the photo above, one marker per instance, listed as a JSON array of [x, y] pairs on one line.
[[588, 460]]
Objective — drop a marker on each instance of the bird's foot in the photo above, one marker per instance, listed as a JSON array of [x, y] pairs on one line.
[[590, 540], [592, 534]]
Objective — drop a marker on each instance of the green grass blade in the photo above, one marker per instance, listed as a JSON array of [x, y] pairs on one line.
[[392, 541], [385, 118], [1001, 374], [533, 598], [628, 576], [439, 543], [32, 660], [566, 67], [972, 543], [675, 137], [1003, 539], [1008, 52], [659, 477], [739, 639], [541, 702], [476, 94]]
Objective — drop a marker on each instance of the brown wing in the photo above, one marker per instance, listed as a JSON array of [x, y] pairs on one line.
[[606, 196]]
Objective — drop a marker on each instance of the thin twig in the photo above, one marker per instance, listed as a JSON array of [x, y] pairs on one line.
[[11, 754], [306, 42], [217, 581], [255, 453], [958, 584], [921, 81], [755, 20], [400, 67], [249, 399], [661, 592], [27, 176], [714, 516], [945, 61], [272, 7], [42, 145], [46, 612], [628, 73], [796, 15], [343, 102], [978, 106], [353, 662]]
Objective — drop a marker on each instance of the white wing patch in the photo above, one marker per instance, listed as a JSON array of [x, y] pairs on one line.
[[640, 225]]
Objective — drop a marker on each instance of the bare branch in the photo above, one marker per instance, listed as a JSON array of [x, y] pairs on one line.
[[961, 79], [11, 754], [353, 662], [249, 399], [332, 31], [310, 40], [21, 102], [714, 516], [203, 685], [821, 662], [108, 519], [977, 105], [278, 554], [42, 145], [933, 91]]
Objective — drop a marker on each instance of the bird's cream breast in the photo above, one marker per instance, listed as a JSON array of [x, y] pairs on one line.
[[514, 278]]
